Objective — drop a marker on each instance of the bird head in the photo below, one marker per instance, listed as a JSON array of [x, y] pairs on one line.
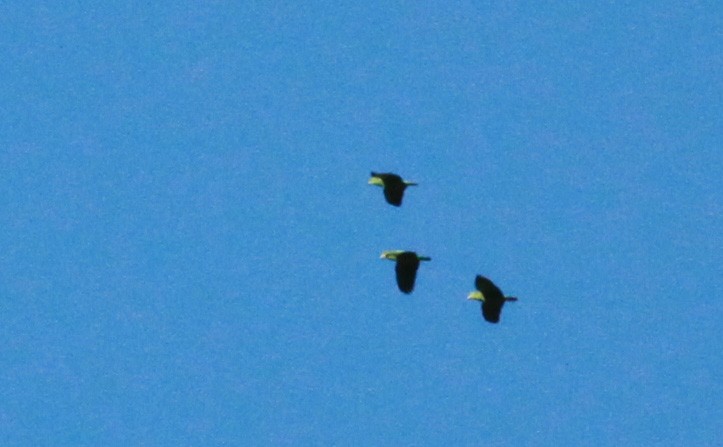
[[376, 181], [476, 296], [391, 254]]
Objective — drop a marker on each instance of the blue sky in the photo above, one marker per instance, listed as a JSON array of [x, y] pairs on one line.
[[189, 249]]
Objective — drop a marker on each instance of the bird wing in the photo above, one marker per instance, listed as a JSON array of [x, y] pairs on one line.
[[488, 288], [394, 192], [491, 310], [406, 269]]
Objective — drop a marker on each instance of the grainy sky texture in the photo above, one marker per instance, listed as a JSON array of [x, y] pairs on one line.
[[189, 251]]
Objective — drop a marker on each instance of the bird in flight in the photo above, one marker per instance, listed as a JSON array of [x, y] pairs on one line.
[[406, 268], [491, 297], [393, 185]]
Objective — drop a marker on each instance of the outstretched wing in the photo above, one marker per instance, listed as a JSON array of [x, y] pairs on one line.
[[491, 310], [394, 192], [490, 291], [393, 188], [406, 269]]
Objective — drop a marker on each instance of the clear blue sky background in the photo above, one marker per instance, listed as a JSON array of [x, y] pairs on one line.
[[189, 251]]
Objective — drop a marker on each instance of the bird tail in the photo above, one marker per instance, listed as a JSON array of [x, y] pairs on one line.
[[408, 183], [510, 298], [425, 258]]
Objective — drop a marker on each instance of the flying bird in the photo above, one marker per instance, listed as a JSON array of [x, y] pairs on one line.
[[491, 297], [406, 268], [393, 185]]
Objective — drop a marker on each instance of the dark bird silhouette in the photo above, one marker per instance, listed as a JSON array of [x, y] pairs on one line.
[[393, 185], [491, 297], [406, 268]]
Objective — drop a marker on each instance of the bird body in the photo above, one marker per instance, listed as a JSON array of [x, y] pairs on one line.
[[393, 185], [491, 297], [406, 268]]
